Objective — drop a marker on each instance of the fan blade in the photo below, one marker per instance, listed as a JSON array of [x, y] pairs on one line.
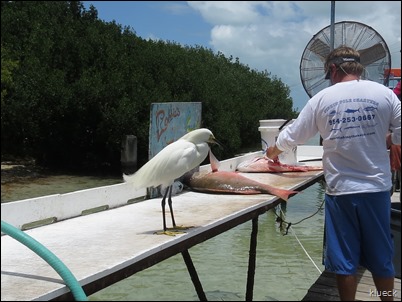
[[372, 54], [320, 48]]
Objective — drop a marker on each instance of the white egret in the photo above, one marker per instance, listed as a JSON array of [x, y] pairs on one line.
[[172, 162]]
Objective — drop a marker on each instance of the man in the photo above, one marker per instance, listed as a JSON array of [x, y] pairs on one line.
[[395, 153], [397, 89], [353, 117]]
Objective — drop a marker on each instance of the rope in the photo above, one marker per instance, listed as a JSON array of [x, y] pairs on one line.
[[311, 259], [279, 219], [294, 233]]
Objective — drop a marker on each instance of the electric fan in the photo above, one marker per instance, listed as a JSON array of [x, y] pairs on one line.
[[374, 54]]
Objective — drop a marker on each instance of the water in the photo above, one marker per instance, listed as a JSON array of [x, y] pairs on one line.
[[286, 265], [52, 184]]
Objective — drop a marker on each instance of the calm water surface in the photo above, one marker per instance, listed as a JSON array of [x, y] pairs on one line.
[[55, 184]]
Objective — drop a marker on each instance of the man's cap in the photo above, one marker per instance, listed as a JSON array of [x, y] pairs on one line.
[[338, 61]]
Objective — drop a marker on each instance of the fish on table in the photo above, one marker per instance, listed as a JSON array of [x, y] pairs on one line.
[[262, 164], [230, 182]]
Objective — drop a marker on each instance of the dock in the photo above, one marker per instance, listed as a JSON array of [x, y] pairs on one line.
[[106, 234], [325, 289]]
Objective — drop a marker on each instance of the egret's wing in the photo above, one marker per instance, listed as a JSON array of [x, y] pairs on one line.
[[174, 160], [169, 164], [177, 160], [192, 156]]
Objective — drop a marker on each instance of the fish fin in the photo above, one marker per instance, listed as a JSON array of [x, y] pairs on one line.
[[213, 161]]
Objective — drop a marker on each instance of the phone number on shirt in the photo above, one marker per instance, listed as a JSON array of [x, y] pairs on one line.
[[351, 119]]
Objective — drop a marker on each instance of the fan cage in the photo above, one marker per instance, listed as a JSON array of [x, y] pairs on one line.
[[374, 52]]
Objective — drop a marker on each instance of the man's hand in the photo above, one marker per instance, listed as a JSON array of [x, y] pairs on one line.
[[272, 153], [388, 140], [395, 157]]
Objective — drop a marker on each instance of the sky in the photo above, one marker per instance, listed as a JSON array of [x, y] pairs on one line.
[[264, 35]]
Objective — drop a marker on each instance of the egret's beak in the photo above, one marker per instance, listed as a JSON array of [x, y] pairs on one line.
[[213, 140]]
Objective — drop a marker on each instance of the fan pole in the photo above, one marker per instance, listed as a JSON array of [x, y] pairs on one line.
[[332, 34]]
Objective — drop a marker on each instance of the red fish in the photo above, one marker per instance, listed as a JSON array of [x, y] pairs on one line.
[[263, 164], [230, 182]]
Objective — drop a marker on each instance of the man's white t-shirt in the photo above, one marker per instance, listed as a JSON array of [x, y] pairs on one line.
[[353, 119]]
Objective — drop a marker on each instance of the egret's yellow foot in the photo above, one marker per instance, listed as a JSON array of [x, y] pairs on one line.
[[173, 231], [181, 227], [169, 233]]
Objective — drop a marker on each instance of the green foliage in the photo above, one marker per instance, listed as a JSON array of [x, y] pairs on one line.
[[73, 86], [7, 68]]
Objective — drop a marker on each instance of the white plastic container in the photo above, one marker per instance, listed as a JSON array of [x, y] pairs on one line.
[[270, 130]]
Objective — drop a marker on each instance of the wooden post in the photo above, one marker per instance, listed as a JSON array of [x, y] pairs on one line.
[[129, 154]]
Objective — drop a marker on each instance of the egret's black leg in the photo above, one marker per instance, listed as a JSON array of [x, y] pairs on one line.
[[163, 207], [175, 229], [170, 206]]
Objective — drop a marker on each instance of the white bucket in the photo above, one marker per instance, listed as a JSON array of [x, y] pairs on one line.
[[270, 130]]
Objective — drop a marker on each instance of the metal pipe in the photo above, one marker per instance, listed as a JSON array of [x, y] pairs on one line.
[[332, 34], [194, 275], [251, 260]]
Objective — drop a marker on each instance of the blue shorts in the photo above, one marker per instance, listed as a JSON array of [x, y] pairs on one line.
[[358, 232]]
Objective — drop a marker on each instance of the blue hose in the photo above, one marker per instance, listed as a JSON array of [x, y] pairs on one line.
[[49, 257]]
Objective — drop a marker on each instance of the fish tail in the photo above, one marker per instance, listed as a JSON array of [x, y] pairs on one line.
[[285, 194]]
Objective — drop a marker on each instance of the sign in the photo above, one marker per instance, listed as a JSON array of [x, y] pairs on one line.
[[169, 122]]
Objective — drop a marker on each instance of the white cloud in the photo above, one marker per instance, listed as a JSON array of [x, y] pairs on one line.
[[224, 12], [272, 35]]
